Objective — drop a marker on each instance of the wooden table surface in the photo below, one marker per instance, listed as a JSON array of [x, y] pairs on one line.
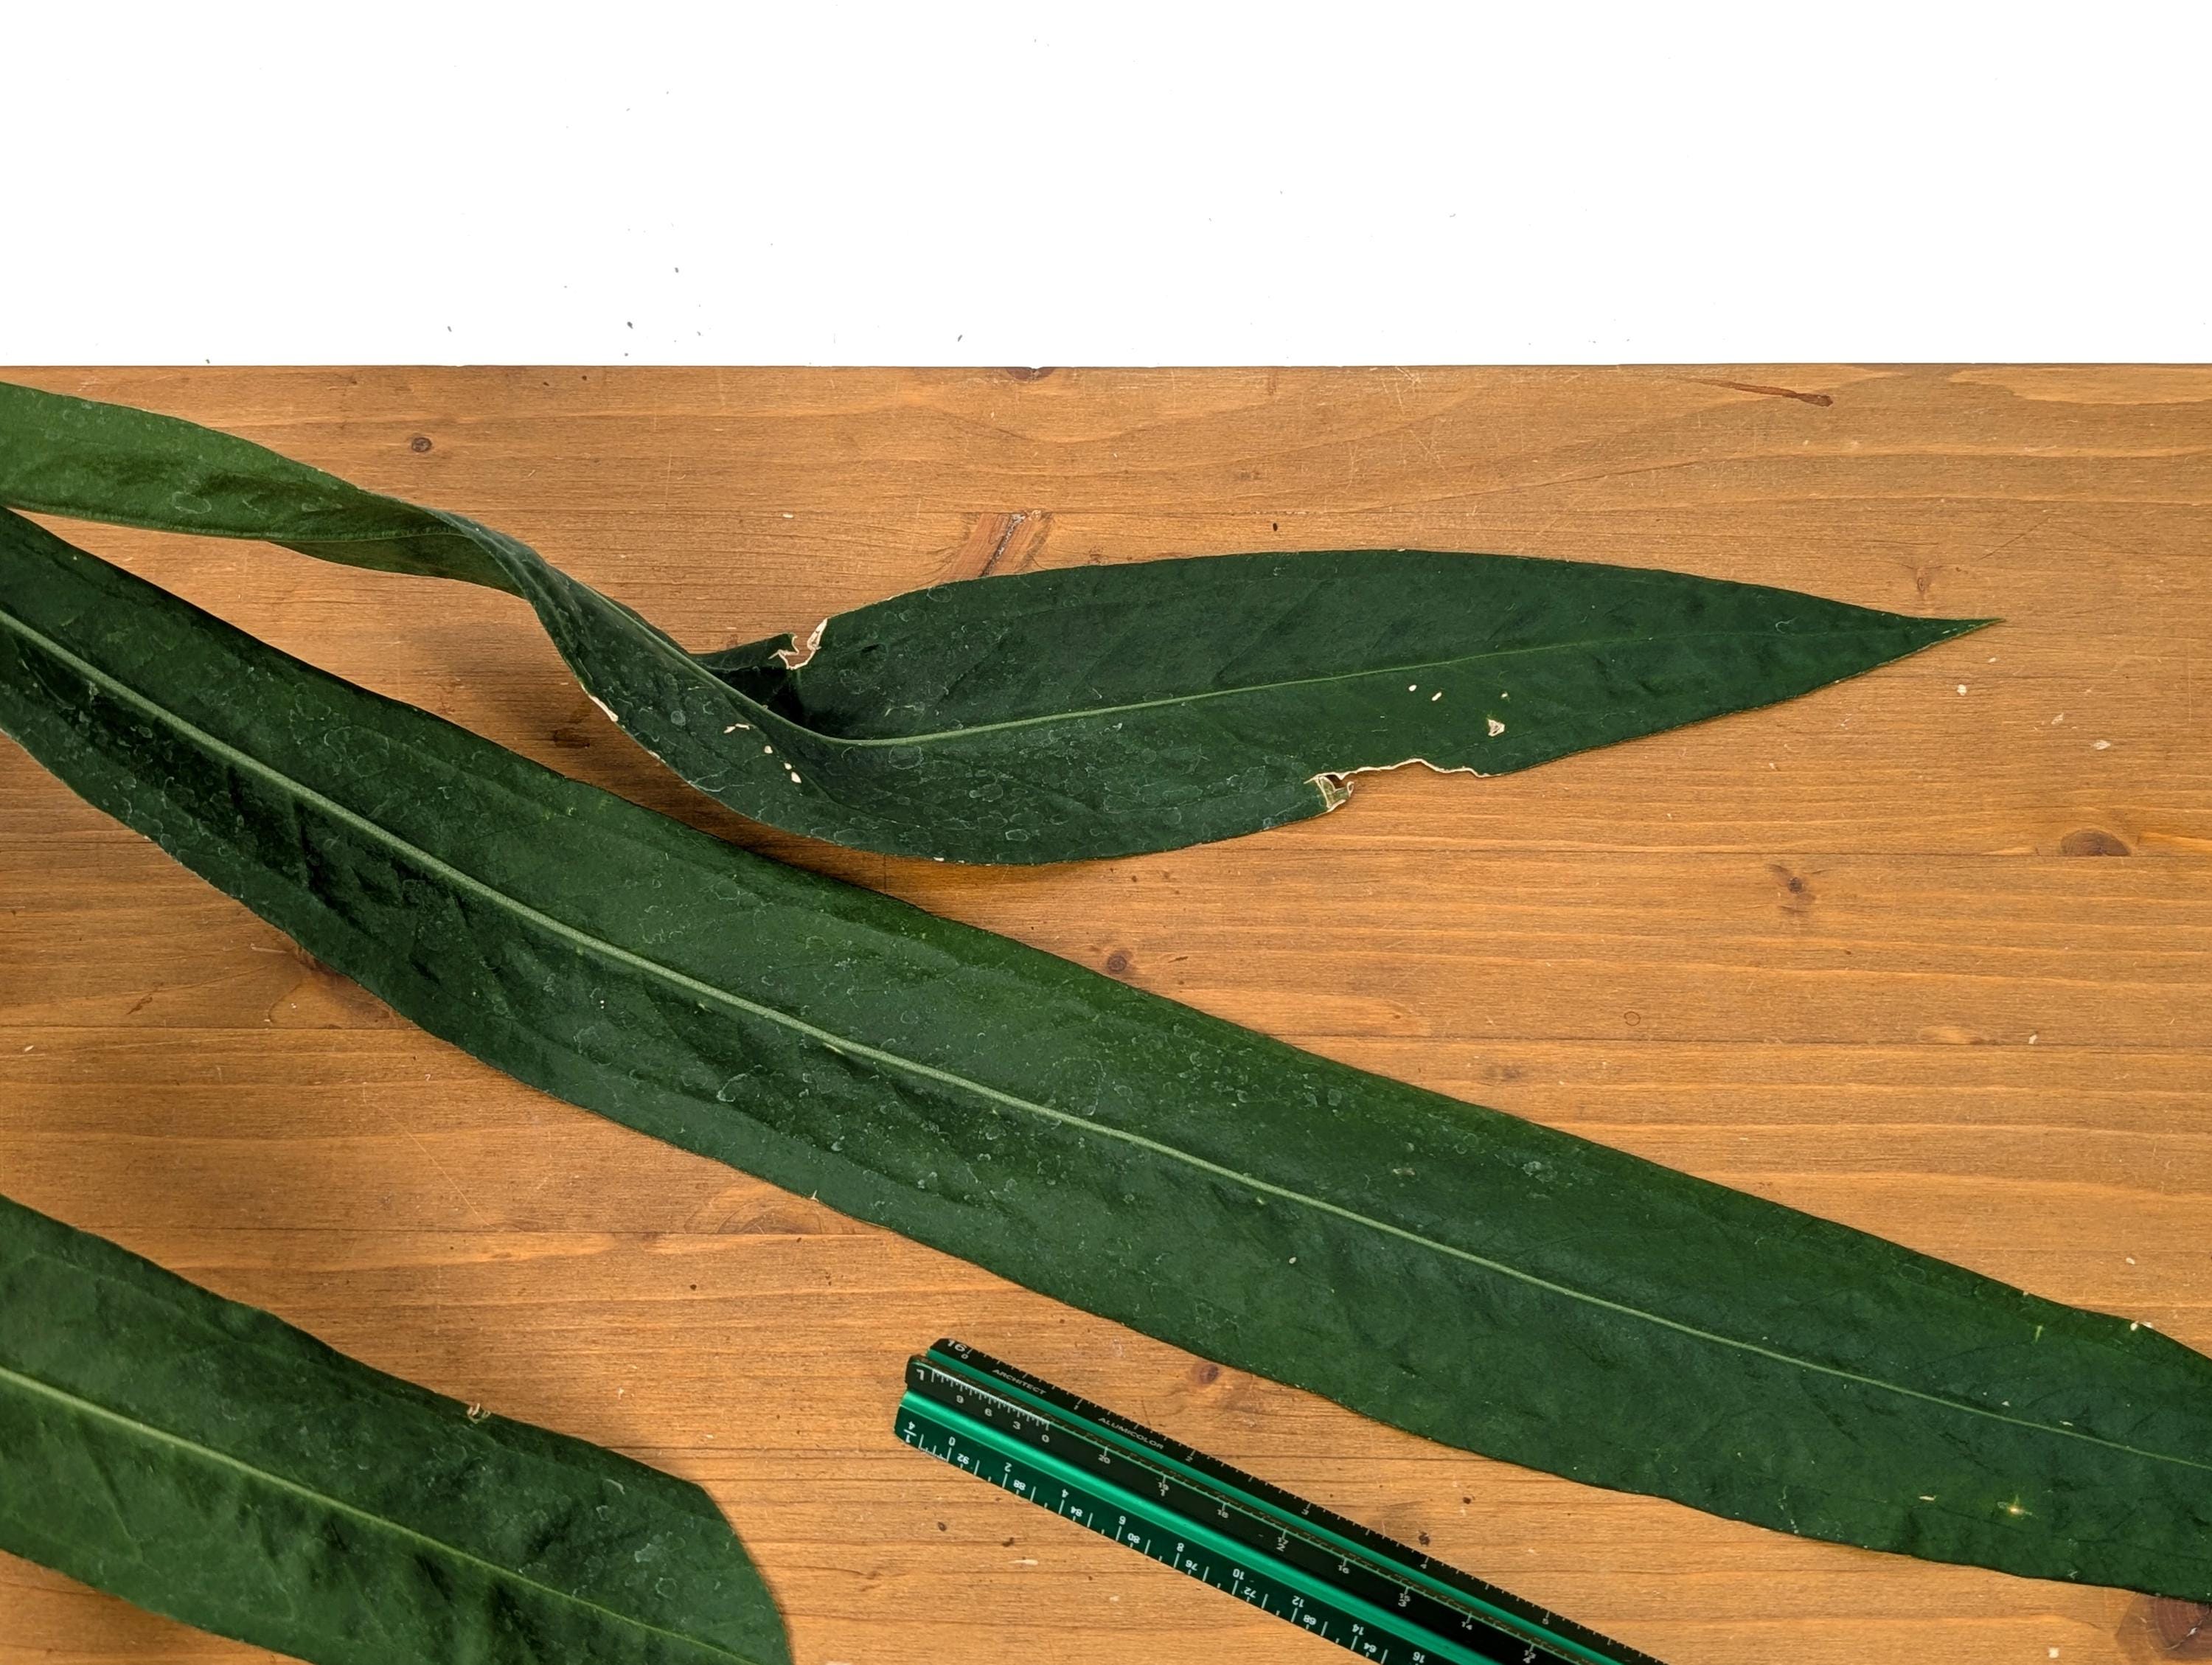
[[1930, 953]]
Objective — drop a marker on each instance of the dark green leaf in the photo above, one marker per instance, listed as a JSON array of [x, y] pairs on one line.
[[1053, 715], [1446, 1268], [203, 1460]]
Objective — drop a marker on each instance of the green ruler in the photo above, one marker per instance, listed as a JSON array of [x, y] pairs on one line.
[[1264, 1545]]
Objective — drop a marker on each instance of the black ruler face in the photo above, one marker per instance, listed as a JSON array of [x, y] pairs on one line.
[[1267, 1548]]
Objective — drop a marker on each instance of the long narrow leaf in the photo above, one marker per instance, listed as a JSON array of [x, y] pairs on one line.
[[1446, 1268], [1052, 715], [205, 1460]]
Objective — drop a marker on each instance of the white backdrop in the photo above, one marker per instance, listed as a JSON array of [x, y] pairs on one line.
[[1100, 183]]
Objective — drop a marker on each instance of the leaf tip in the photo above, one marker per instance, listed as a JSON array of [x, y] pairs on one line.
[[1927, 632]]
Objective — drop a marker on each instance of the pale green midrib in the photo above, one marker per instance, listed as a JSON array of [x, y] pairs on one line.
[[586, 941], [338, 1505], [1090, 712], [258, 534]]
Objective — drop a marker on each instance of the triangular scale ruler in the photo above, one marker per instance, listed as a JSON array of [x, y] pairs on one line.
[[1270, 1548]]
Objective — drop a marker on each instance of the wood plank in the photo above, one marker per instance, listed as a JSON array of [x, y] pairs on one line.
[[1877, 953]]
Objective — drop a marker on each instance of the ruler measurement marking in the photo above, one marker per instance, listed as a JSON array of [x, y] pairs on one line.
[[1111, 1516], [1452, 1616], [1272, 1550], [962, 1370]]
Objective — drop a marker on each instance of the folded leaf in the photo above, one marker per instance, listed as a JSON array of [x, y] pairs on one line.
[[1452, 1270], [1055, 715], [207, 1462]]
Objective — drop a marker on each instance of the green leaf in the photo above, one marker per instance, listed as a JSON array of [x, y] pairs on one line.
[[1457, 1272], [205, 1460], [1056, 715]]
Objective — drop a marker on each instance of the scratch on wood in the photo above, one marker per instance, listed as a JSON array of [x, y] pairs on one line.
[[1014, 524], [1823, 399], [477, 1215], [1004, 543], [2180, 1627]]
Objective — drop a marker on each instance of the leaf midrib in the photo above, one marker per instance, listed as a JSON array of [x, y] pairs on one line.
[[1089, 712], [259, 530], [147, 1430], [590, 942]]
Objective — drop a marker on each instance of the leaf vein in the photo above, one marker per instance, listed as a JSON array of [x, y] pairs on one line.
[[615, 952], [162, 1436]]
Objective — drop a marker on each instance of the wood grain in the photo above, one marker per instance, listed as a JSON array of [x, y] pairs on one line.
[[1930, 953]]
